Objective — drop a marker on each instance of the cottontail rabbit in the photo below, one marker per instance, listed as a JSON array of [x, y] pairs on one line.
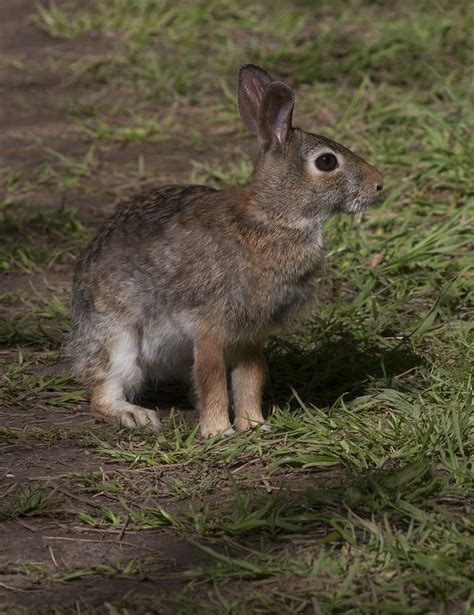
[[187, 281]]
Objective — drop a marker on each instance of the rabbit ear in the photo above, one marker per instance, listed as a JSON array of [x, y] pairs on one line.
[[276, 112], [253, 82]]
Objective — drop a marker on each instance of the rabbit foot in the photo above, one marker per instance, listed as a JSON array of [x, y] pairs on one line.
[[242, 423], [208, 432], [140, 418]]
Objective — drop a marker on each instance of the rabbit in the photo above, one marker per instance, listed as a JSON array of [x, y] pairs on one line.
[[187, 282]]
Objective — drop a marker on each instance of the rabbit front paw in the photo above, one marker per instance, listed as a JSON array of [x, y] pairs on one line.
[[213, 430], [244, 422], [136, 417]]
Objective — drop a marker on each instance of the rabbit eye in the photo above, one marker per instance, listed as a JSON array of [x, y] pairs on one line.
[[326, 162]]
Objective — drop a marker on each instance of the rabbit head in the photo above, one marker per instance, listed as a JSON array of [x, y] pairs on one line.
[[299, 177]]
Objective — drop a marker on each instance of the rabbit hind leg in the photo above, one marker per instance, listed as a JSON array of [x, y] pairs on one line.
[[117, 382]]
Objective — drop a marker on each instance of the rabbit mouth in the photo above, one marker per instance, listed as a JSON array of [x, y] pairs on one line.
[[361, 202]]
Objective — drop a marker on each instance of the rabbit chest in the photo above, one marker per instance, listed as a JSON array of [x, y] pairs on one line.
[[274, 283], [273, 301]]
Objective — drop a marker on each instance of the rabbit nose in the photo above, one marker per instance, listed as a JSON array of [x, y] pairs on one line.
[[378, 181]]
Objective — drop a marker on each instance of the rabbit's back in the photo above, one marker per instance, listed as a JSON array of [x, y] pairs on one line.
[[138, 224], [138, 257]]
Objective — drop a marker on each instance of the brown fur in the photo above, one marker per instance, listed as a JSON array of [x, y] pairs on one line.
[[248, 376], [210, 381]]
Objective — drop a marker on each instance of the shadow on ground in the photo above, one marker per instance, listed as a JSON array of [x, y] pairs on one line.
[[322, 374]]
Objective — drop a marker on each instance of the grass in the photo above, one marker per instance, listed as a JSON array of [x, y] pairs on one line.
[[26, 502], [37, 239], [360, 497]]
